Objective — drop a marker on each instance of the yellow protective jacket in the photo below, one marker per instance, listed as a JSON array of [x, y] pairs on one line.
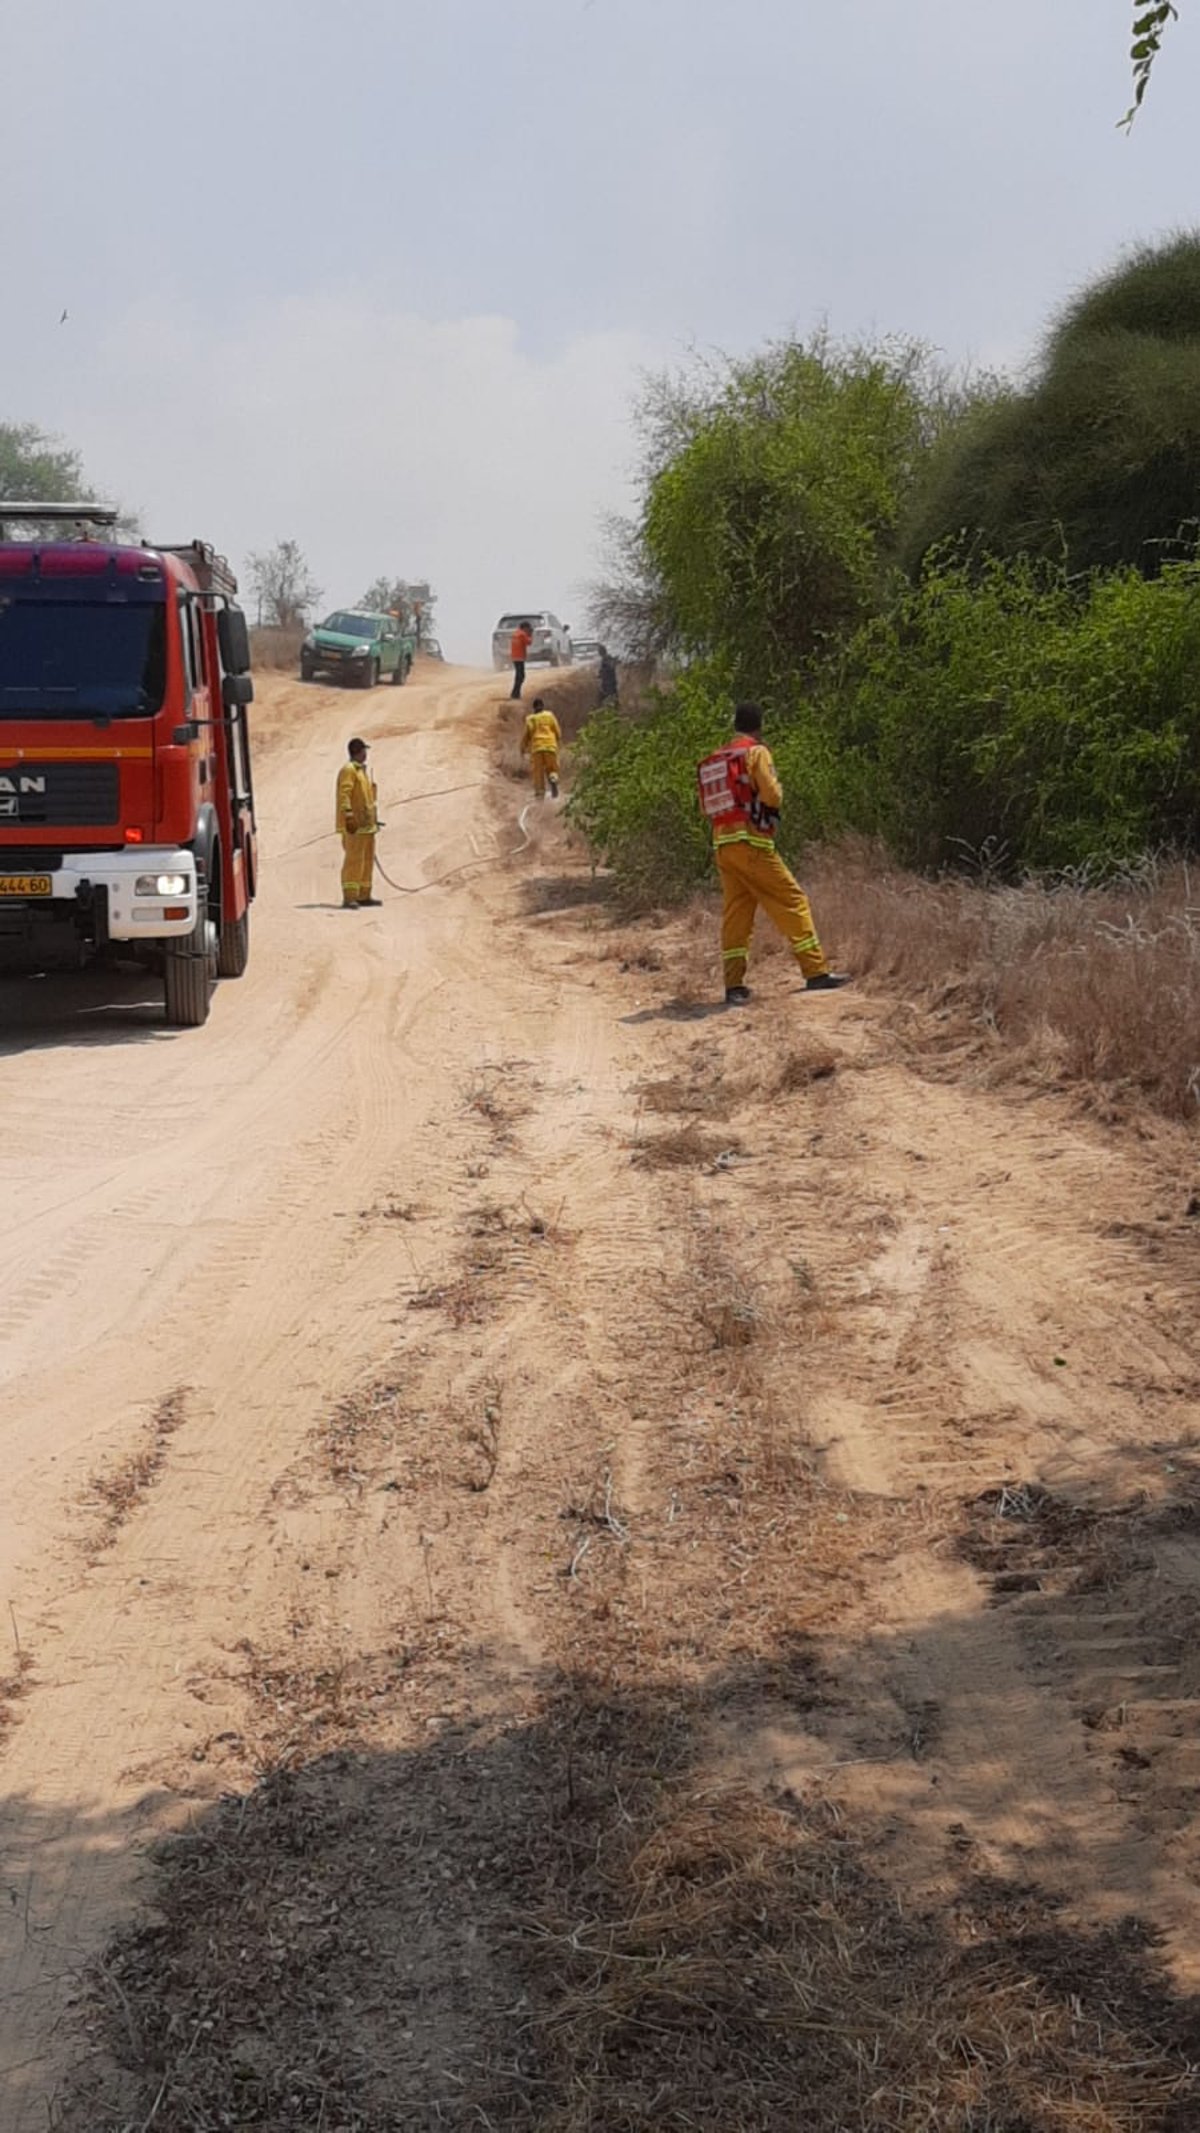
[[357, 799], [764, 779], [542, 734]]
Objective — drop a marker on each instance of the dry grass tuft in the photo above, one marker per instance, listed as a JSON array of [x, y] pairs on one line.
[[706, 1092], [495, 1094], [464, 1300], [14, 1685], [727, 1300], [1027, 1538], [688, 1148], [300, 1707], [391, 1210], [361, 1432], [480, 1436], [117, 1490], [800, 1069]]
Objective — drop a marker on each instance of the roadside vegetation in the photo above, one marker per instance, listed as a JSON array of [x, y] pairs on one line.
[[971, 611]]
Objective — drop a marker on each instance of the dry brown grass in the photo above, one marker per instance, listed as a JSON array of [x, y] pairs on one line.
[[362, 1432], [687, 1148], [801, 1066], [1097, 987], [1093, 988], [736, 1965], [496, 1092], [276, 649], [15, 1684], [117, 1490]]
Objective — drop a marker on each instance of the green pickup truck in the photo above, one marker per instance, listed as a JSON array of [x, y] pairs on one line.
[[355, 646]]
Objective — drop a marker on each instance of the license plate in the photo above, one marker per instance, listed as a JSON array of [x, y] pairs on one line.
[[26, 885]]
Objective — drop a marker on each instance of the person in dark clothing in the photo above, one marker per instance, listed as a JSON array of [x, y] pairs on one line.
[[607, 677]]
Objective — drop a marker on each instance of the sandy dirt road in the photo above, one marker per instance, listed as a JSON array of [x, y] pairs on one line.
[[466, 1341], [187, 1224]]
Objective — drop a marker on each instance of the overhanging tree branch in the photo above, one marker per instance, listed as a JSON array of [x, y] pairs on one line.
[[1149, 26]]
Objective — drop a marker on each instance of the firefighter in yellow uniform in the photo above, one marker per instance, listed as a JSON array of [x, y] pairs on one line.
[[741, 796], [541, 741], [358, 821]]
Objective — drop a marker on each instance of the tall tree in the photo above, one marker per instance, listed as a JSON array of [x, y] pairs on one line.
[[283, 585], [775, 486], [36, 468]]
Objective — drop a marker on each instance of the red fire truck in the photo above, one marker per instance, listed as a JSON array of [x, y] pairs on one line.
[[126, 806]]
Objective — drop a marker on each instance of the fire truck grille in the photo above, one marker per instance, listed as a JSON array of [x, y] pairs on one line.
[[58, 794]]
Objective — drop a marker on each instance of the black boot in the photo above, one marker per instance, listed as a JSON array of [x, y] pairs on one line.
[[737, 995], [829, 981]]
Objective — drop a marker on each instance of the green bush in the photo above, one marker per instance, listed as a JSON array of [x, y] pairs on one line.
[[1011, 712], [1019, 710], [635, 792], [635, 787]]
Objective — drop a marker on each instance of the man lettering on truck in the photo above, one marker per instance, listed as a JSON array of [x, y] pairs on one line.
[[358, 821], [519, 643]]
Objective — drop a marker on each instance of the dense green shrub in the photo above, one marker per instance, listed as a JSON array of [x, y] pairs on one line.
[[1011, 711], [1017, 709]]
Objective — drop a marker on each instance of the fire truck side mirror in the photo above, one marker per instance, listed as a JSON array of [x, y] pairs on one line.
[[234, 639], [236, 689]]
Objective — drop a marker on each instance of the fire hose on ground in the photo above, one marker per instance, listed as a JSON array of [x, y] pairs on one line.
[[440, 793]]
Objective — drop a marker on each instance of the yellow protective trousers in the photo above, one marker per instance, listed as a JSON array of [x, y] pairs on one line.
[[754, 878], [358, 864], [544, 764]]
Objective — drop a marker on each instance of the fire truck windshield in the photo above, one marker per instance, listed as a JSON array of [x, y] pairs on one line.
[[80, 658]]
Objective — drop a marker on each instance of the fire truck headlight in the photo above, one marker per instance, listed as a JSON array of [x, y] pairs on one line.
[[162, 885]]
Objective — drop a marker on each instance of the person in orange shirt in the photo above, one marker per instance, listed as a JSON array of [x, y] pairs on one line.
[[522, 638]]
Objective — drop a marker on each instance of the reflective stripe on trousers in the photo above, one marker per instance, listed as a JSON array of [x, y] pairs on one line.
[[358, 862], [754, 878]]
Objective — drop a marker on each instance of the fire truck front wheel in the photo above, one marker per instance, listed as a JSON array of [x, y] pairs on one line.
[[189, 968], [234, 953]]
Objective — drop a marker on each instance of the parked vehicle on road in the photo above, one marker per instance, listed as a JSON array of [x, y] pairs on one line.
[[127, 828], [585, 651], [551, 646], [355, 646]]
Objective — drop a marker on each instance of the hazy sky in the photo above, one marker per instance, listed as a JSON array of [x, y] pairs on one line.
[[381, 276]]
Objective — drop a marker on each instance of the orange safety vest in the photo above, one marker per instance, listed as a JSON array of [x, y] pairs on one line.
[[727, 795], [519, 644]]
